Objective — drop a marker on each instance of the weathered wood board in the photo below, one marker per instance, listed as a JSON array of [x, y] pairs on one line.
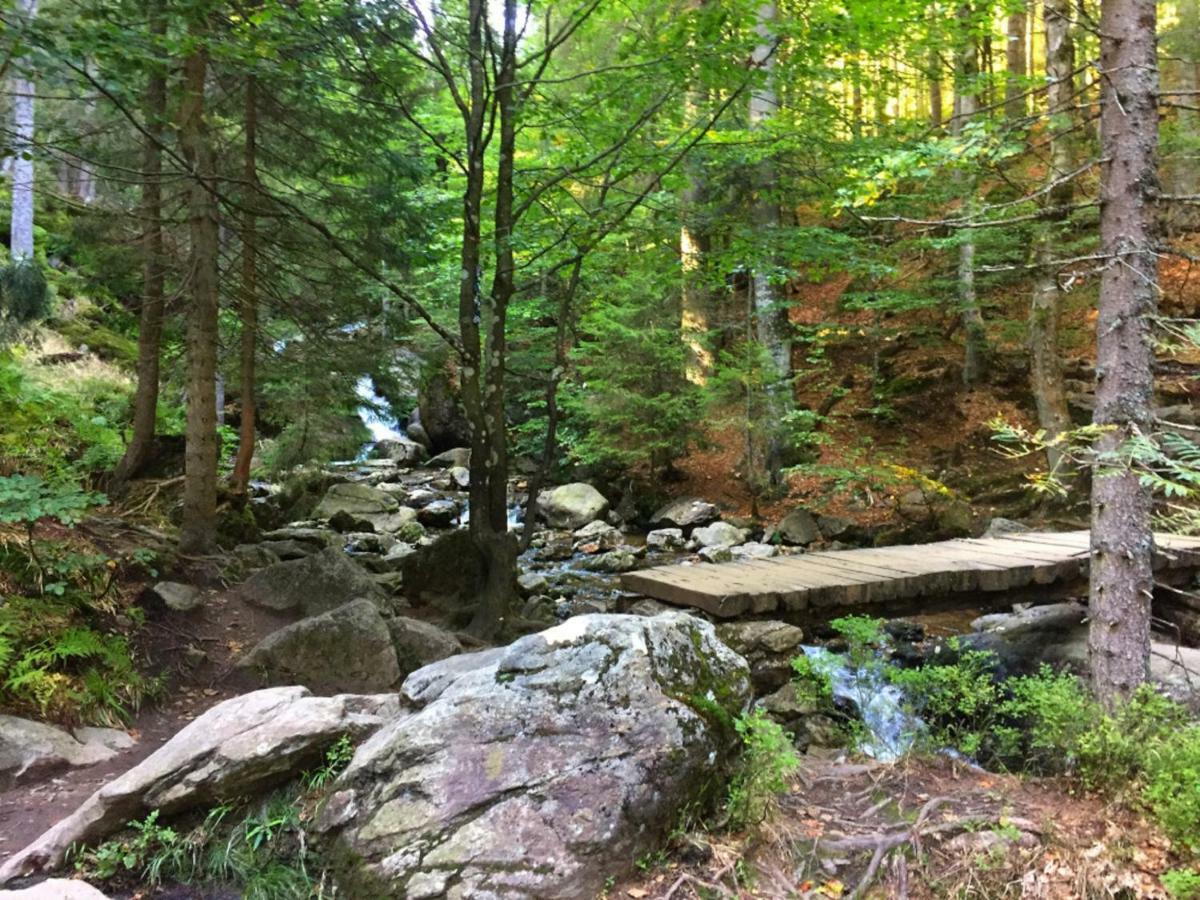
[[837, 579]]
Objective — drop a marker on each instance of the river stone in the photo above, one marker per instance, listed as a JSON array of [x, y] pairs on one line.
[[612, 563], [399, 450], [531, 583], [248, 557], [289, 549], [32, 750], [598, 536], [239, 747], [571, 506], [460, 476], [719, 554], [393, 522], [768, 646], [543, 768], [438, 514], [313, 584], [457, 457], [718, 534], [755, 550], [356, 500], [685, 513], [798, 528], [449, 568], [179, 597], [346, 650], [319, 538], [57, 889], [419, 643], [666, 539]]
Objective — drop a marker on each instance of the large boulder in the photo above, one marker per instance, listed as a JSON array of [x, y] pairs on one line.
[[685, 513], [419, 643], [454, 458], [799, 528], [401, 451], [356, 500], [571, 506], [313, 584], [346, 650], [448, 571], [718, 534], [440, 412], [243, 745], [179, 597], [769, 647], [31, 750], [543, 768], [57, 889]]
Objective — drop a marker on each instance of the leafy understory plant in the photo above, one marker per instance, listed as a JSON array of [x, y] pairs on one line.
[[768, 759]]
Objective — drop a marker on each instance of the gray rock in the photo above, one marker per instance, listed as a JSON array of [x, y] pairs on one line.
[[571, 506], [248, 557], [596, 537], [768, 646], [179, 597], [459, 456], [833, 526], [421, 497], [913, 505], [685, 513], [393, 522], [400, 451], [356, 500], [555, 546], [786, 707], [530, 583], [31, 750], [346, 650], [289, 549], [716, 554], [798, 528], [438, 514], [953, 517], [57, 889], [535, 770], [999, 526], [613, 562], [112, 738], [718, 534], [319, 538], [666, 539], [645, 606], [460, 476], [448, 571], [241, 746], [419, 643], [755, 550], [314, 584]]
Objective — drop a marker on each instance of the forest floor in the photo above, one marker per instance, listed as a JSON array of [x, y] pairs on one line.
[[920, 828]]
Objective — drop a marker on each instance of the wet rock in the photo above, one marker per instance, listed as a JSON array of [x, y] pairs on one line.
[[179, 597], [768, 646], [901, 630], [243, 745], [685, 513], [555, 546], [571, 506], [460, 477], [798, 528], [421, 497], [613, 562], [369, 542], [666, 539], [533, 771], [32, 750], [346, 650], [597, 537], [438, 514], [785, 706], [718, 534], [355, 499], [457, 457], [419, 643], [716, 554], [530, 583], [400, 451], [313, 585]]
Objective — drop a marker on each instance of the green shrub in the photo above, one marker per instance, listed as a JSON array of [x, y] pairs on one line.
[[768, 758], [1172, 785], [1182, 884], [813, 686], [960, 703]]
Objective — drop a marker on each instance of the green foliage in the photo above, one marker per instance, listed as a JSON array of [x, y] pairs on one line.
[[24, 295], [26, 498], [813, 686], [337, 757], [1172, 779], [145, 851], [1182, 884], [768, 759]]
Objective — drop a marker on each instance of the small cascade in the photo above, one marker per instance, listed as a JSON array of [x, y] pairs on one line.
[[376, 414], [890, 728]]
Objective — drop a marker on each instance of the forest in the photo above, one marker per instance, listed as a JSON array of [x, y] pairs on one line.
[[609, 448]]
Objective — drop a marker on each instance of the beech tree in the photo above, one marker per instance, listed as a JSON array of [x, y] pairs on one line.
[[23, 88]]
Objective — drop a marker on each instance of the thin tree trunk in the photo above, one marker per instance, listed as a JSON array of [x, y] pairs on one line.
[[965, 106], [249, 299], [1046, 374], [1122, 540], [770, 314], [696, 299], [21, 235], [199, 526], [1016, 65], [150, 323]]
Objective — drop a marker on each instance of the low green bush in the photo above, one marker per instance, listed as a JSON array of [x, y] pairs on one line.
[[768, 758]]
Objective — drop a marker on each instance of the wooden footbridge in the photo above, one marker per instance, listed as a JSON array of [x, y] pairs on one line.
[[1035, 565]]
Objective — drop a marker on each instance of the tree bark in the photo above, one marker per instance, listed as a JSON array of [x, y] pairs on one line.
[[770, 314], [199, 526], [965, 107], [145, 400], [248, 307], [1122, 540], [1016, 65], [696, 299], [1046, 375], [23, 89]]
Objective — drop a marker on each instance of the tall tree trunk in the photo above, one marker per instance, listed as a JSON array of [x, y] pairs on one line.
[[199, 526], [249, 299], [145, 400], [934, 62], [965, 107], [771, 328], [21, 235], [1046, 375], [1016, 65], [1122, 540], [696, 299]]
